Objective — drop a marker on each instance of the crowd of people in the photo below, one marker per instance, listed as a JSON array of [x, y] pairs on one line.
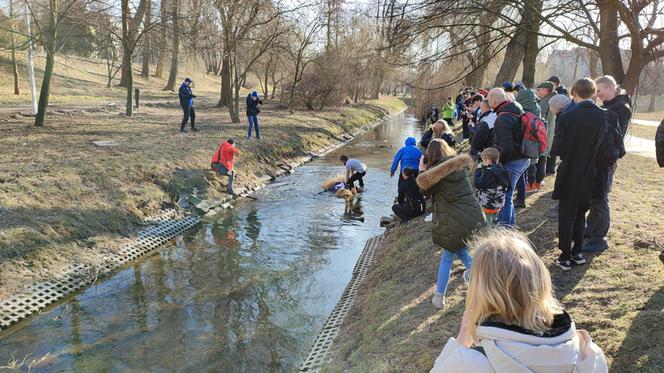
[[518, 137]]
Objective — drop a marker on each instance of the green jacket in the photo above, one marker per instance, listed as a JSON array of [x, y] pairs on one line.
[[550, 118], [456, 211], [448, 110], [528, 101]]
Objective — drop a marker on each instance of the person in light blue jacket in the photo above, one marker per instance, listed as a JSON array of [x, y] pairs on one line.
[[408, 156]]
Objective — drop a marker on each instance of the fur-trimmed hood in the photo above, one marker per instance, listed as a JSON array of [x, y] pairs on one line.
[[432, 176]]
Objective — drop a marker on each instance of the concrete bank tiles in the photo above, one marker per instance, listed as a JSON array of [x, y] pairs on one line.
[[319, 354], [39, 295]]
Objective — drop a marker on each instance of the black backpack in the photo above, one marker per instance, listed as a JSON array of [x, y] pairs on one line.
[[609, 146]]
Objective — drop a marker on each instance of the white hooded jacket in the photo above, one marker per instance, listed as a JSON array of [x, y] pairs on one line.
[[516, 350]]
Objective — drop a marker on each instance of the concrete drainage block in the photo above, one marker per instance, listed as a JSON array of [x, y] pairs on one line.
[[39, 295]]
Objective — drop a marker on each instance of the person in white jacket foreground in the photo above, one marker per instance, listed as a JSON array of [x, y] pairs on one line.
[[512, 321]]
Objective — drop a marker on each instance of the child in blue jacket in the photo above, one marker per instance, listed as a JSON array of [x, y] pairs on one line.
[[408, 156]]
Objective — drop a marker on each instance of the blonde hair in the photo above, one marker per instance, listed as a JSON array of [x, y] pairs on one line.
[[609, 81], [491, 154], [439, 128], [509, 282]]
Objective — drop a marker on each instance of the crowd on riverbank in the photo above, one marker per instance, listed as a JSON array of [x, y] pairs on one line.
[[518, 136]]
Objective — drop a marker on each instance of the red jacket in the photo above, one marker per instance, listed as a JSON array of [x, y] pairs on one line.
[[224, 155]]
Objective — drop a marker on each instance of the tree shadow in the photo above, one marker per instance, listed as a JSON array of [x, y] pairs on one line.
[[641, 349]]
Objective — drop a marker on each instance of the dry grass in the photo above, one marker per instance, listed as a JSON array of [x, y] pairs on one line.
[[63, 200], [618, 296], [644, 132]]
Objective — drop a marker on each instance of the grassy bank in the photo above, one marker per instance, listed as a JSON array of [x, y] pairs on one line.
[[64, 200], [618, 297]]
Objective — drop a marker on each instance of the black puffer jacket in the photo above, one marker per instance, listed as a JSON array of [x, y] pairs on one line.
[[659, 144], [507, 131], [623, 108]]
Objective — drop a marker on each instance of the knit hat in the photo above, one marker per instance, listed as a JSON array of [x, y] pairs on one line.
[[547, 85], [508, 86], [559, 102], [254, 93]]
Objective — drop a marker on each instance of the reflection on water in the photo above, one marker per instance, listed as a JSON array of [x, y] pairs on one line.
[[247, 292]]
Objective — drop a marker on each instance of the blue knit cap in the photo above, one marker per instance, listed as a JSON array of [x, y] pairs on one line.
[[254, 93]]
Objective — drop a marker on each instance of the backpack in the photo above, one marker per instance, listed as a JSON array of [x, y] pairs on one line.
[[534, 135], [608, 148]]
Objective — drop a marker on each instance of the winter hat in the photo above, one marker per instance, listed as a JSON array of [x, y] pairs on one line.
[[508, 86], [188, 80], [559, 102], [547, 85], [254, 93]]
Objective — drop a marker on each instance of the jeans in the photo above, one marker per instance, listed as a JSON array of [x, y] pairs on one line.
[[537, 171], [356, 177], [231, 175], [188, 112], [521, 190], [445, 267], [516, 169], [253, 122], [571, 222], [599, 217]]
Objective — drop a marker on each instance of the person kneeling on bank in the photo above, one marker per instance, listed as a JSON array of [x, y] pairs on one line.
[[410, 202], [223, 162]]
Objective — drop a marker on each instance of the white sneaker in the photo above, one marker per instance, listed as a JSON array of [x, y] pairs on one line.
[[438, 300], [466, 276], [429, 218]]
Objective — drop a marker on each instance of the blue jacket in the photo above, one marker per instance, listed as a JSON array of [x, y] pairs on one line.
[[185, 95], [408, 156]]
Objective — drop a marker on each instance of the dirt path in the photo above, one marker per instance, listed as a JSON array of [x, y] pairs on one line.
[[640, 146]]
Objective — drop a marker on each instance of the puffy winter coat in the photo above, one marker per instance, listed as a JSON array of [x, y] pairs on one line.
[[623, 109], [484, 134], [659, 144], [408, 156], [448, 110], [528, 101], [456, 211], [185, 95], [508, 348], [508, 131]]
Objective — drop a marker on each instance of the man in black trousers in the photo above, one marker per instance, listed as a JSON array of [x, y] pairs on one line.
[[187, 104], [579, 177]]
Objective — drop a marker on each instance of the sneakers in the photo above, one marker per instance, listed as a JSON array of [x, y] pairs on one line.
[[578, 259], [194, 129], [532, 188], [564, 264], [183, 131], [438, 300], [595, 247], [519, 205]]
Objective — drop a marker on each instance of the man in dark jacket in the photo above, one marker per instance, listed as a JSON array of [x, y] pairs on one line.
[[599, 216], [560, 89], [252, 113], [508, 136], [484, 134], [578, 179], [410, 202], [187, 103]]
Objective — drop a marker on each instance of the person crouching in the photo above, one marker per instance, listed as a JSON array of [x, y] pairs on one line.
[[223, 162], [410, 202]]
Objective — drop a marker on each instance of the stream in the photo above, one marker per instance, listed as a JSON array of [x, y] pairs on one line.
[[246, 291]]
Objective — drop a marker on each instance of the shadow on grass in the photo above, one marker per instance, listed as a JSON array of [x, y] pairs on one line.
[[641, 349]]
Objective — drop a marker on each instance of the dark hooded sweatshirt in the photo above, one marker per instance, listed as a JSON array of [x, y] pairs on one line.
[[507, 131], [622, 107]]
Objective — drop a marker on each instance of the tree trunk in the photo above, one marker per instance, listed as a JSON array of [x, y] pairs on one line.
[[172, 75], [127, 70], [593, 62], [531, 22], [514, 54], [651, 103], [159, 69], [145, 69], [13, 47], [225, 97], [576, 65], [45, 89], [609, 43]]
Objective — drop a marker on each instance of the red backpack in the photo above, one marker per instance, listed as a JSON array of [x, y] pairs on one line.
[[534, 141]]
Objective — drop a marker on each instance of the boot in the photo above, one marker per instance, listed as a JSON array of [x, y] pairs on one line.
[[438, 300]]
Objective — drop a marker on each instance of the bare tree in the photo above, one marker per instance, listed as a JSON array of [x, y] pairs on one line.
[[301, 53]]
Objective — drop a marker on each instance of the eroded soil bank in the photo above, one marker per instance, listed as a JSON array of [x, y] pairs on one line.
[[618, 297], [65, 201]]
